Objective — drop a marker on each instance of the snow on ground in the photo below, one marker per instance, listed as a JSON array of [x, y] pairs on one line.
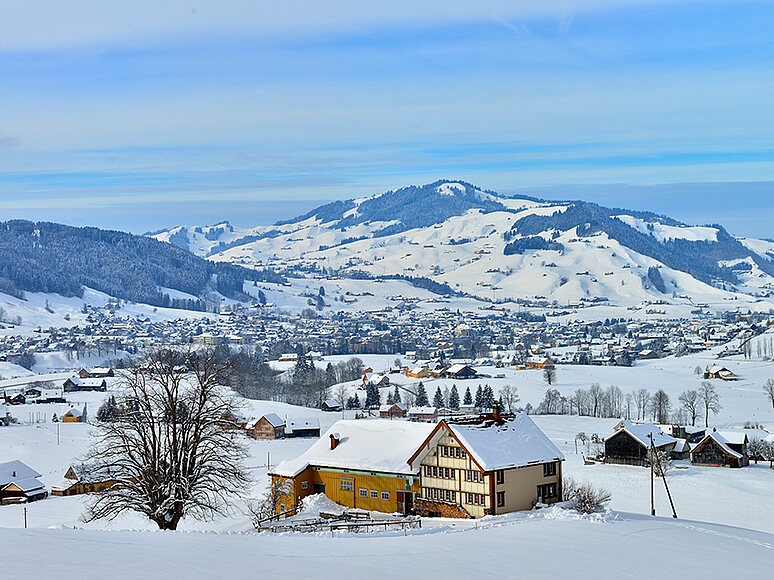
[[551, 543]]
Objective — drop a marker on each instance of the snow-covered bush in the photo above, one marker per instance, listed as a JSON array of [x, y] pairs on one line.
[[584, 497]]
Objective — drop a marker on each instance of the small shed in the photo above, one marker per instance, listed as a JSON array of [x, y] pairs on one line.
[[270, 426], [331, 405]]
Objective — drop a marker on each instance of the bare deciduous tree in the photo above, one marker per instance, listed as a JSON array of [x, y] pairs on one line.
[[691, 402], [169, 450], [768, 386], [510, 396], [710, 399], [549, 376]]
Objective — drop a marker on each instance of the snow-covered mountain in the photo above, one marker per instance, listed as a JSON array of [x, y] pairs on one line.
[[496, 247]]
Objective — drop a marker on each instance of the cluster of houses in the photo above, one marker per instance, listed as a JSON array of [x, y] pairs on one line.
[[464, 468], [633, 444]]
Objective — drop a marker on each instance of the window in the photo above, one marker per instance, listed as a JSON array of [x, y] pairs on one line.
[[500, 499], [435, 471], [282, 508], [500, 476], [547, 491], [549, 469], [304, 484], [374, 494], [347, 485], [363, 492], [386, 495]]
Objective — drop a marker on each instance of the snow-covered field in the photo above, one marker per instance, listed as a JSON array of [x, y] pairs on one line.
[[720, 510], [550, 544]]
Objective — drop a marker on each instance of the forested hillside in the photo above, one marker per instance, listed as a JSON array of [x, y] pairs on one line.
[[49, 257]]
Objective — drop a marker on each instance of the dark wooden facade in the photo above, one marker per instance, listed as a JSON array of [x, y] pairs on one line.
[[623, 448]]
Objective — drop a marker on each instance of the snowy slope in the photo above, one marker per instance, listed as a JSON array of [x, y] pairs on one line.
[[467, 250], [553, 543]]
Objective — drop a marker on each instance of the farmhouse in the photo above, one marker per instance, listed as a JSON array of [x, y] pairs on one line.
[[393, 411], [75, 415], [19, 483], [539, 362], [358, 464], [630, 444], [270, 426], [727, 449], [82, 478], [423, 414], [719, 372], [96, 373], [485, 466]]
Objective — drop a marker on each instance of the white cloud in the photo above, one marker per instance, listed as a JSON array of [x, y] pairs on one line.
[[56, 24]]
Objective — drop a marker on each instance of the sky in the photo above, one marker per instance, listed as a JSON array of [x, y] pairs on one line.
[[142, 115]]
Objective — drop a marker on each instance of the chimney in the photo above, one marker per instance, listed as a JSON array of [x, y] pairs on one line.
[[335, 440], [496, 410]]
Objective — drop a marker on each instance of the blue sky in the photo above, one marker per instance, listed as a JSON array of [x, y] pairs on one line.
[[139, 116]]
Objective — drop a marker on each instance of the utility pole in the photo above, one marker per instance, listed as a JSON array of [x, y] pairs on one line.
[[57, 432], [652, 504], [25, 517]]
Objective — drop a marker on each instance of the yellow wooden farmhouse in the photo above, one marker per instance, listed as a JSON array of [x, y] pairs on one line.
[[466, 469], [75, 415], [80, 478], [358, 464]]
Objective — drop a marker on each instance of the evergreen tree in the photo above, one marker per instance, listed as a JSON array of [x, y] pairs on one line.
[[353, 402], [390, 399], [372, 396], [479, 397], [468, 398], [396, 395], [422, 400], [487, 399], [454, 398], [108, 411], [330, 375], [438, 402]]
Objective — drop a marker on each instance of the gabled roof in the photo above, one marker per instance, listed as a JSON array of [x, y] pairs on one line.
[[734, 437], [22, 471], [641, 433], [274, 419], [27, 484], [422, 411], [378, 445], [300, 424], [721, 442], [514, 443]]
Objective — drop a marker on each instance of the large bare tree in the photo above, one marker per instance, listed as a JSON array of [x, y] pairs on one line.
[[169, 449]]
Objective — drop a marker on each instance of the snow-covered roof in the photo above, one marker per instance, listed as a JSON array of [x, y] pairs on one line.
[[332, 403], [734, 437], [722, 443], [516, 443], [274, 419], [373, 445], [76, 412], [298, 424], [422, 411], [455, 368], [21, 470], [642, 434], [386, 408], [26, 484]]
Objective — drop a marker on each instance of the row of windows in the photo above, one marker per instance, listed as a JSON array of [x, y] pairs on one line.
[[375, 494], [443, 472], [475, 499], [439, 494], [447, 451], [349, 485], [472, 475]]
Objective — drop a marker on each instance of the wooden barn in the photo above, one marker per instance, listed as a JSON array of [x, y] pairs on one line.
[[718, 451], [460, 372], [79, 384], [309, 427], [270, 426], [629, 445], [331, 405]]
